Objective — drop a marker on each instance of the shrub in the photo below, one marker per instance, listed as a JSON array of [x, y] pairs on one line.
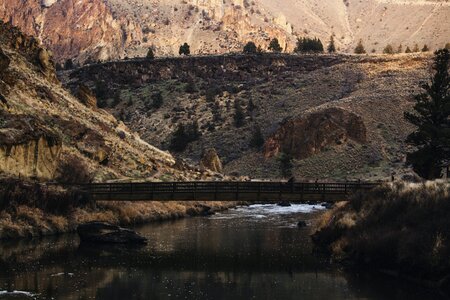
[[285, 161], [157, 100], [185, 49], [239, 117], [388, 49], [402, 226], [72, 171], [274, 46], [250, 48], [150, 54], [184, 135], [360, 48], [257, 139]]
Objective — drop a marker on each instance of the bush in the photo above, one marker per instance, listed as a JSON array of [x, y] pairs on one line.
[[257, 139], [402, 226], [150, 54], [360, 48], [185, 49], [274, 46], [157, 100], [184, 135], [239, 117], [250, 48], [73, 171], [388, 49]]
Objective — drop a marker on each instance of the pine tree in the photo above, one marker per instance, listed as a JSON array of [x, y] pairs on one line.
[[400, 48], [416, 48], [185, 49], [150, 54], [408, 50], [285, 164], [447, 46], [331, 47], [425, 48], [431, 116], [274, 46], [250, 48], [239, 116], [308, 45], [257, 139], [360, 48]]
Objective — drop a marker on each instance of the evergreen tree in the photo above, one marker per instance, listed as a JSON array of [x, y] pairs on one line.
[[183, 135], [185, 49], [388, 49], [68, 65], [257, 139], [400, 48], [250, 48], [360, 48], [274, 46], [150, 54], [308, 45], [239, 117], [431, 116], [425, 48], [447, 46], [331, 47], [408, 50], [285, 164], [416, 48]]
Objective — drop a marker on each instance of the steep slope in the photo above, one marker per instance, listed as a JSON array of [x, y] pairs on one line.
[[279, 93], [90, 30], [43, 126]]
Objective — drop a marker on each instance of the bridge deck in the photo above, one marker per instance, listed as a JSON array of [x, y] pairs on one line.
[[224, 191]]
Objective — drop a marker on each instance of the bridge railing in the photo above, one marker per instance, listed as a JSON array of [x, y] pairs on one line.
[[228, 187]]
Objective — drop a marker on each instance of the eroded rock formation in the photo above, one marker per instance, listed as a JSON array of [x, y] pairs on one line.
[[27, 149], [311, 134], [211, 161]]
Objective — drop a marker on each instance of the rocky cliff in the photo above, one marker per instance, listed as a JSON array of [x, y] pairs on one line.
[[303, 137], [91, 30], [43, 126]]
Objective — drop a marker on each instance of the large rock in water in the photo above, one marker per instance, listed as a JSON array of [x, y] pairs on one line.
[[305, 136], [99, 232], [211, 161]]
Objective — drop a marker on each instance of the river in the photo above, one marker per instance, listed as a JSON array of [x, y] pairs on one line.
[[254, 252]]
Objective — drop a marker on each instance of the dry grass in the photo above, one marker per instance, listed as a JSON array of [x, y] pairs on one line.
[[402, 226], [31, 209]]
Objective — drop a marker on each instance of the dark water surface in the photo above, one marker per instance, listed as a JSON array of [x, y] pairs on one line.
[[254, 252]]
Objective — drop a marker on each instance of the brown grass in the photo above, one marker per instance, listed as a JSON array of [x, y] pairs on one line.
[[29, 209], [402, 226]]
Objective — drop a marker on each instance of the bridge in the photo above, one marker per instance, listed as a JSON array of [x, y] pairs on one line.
[[248, 191]]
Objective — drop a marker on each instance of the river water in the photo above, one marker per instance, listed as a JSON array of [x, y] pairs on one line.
[[254, 252]]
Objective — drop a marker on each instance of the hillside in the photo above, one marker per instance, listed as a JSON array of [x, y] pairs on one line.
[[43, 126], [90, 30], [337, 116]]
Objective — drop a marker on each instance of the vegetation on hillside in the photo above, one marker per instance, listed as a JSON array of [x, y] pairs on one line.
[[398, 226]]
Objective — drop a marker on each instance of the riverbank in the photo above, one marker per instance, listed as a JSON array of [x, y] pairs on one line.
[[400, 227], [30, 210]]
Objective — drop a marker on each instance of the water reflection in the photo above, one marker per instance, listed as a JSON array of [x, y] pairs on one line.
[[248, 253]]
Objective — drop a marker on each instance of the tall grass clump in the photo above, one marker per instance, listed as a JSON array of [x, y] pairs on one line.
[[399, 226]]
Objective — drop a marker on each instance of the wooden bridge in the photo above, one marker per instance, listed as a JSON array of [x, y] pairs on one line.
[[225, 191]]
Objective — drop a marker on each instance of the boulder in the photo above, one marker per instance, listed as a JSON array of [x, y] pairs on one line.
[[211, 161], [99, 232], [284, 204], [301, 224]]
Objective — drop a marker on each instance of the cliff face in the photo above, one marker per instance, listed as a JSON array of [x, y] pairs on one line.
[[304, 137], [95, 29], [43, 126]]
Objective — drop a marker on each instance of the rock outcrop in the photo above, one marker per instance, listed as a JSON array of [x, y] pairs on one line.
[[311, 134], [104, 233], [28, 149], [86, 96], [4, 61], [210, 160]]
